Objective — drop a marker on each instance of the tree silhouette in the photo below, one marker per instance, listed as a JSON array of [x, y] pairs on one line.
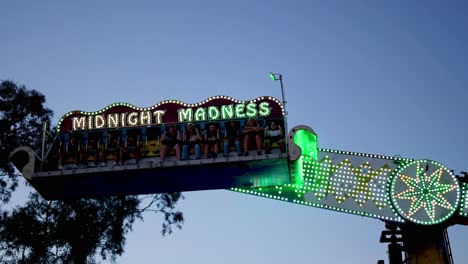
[[73, 231]]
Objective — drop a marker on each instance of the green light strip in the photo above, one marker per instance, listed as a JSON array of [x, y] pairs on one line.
[[464, 200], [365, 155]]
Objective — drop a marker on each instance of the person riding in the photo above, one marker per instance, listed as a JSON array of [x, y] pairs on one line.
[[252, 133], [171, 141], [211, 142], [191, 139], [232, 137], [274, 134]]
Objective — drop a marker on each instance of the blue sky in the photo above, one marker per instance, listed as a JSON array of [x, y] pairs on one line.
[[386, 78]]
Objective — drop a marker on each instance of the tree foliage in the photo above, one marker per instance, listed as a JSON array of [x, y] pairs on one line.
[[22, 115], [77, 231], [73, 231]]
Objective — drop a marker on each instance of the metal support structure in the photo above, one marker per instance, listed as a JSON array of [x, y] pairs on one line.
[[426, 245], [448, 247], [419, 245], [394, 237]]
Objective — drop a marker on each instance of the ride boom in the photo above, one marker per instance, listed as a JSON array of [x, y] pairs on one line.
[[174, 146]]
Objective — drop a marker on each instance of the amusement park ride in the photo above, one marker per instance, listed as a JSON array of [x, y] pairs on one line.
[[117, 151]]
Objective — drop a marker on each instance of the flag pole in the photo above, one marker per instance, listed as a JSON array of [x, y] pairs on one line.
[[279, 77], [44, 128]]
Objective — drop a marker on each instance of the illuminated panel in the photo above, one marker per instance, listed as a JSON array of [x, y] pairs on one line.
[[307, 142], [464, 201], [171, 111], [425, 192], [349, 182]]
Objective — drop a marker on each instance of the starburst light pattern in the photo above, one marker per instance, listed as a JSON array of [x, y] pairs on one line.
[[425, 192]]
